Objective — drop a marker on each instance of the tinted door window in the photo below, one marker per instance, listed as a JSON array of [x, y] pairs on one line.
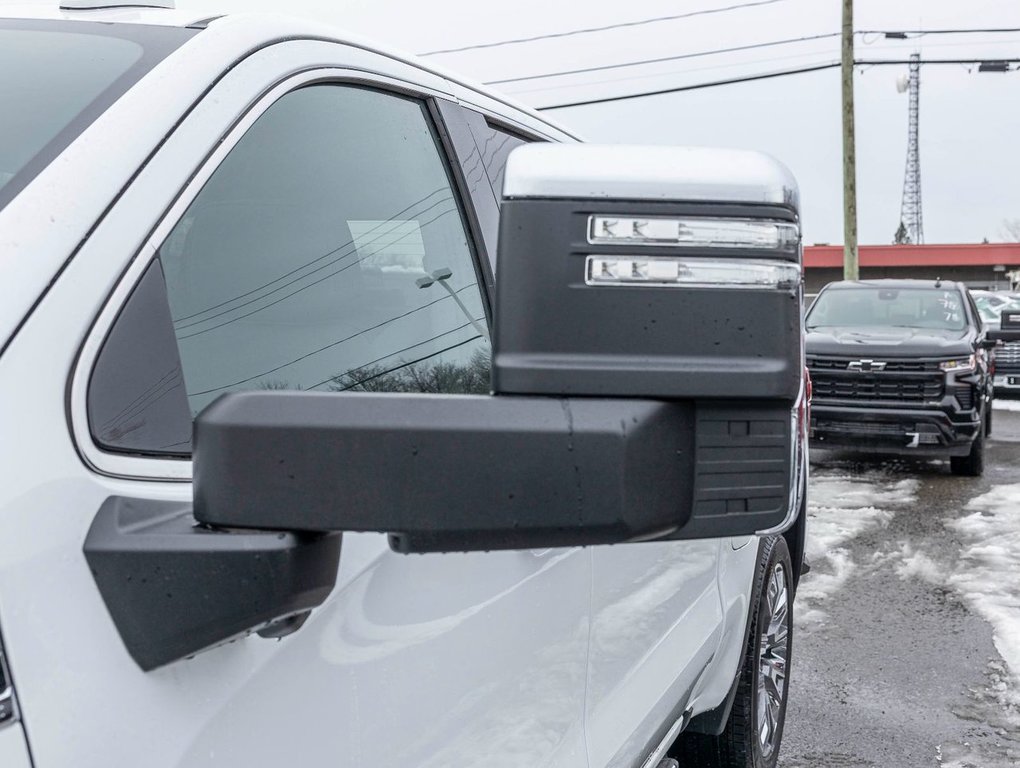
[[327, 252]]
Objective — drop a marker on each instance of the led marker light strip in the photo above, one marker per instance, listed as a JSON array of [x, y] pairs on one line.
[[700, 272], [753, 234], [778, 237]]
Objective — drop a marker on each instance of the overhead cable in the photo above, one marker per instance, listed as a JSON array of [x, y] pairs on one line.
[[606, 28], [696, 54], [761, 76], [696, 86]]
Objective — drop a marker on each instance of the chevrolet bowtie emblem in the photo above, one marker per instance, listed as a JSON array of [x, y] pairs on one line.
[[866, 366]]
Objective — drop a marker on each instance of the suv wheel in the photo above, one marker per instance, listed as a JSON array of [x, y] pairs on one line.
[[753, 733], [973, 464]]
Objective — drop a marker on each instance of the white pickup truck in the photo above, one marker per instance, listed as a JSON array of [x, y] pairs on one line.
[[250, 306]]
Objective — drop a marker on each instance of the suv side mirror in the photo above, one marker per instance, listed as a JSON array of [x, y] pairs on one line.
[[647, 371]]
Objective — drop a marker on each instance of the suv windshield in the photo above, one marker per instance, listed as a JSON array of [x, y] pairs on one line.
[[898, 307], [56, 78]]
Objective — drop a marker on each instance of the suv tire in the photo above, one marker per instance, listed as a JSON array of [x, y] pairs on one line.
[[754, 730], [973, 464]]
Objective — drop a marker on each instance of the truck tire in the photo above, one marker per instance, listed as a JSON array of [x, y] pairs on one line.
[[973, 464], [754, 730]]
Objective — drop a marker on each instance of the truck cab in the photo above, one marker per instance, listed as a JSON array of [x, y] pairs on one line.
[[354, 414]]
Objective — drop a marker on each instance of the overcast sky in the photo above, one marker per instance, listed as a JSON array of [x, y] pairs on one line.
[[969, 128]]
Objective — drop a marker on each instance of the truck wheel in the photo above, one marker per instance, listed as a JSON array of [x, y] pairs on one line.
[[973, 464], [753, 733]]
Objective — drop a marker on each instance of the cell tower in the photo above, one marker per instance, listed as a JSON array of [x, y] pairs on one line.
[[910, 207]]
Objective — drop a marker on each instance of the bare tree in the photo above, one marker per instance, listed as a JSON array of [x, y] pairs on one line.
[[436, 377], [1010, 230]]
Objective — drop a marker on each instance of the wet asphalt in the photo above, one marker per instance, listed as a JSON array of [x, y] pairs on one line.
[[902, 673]]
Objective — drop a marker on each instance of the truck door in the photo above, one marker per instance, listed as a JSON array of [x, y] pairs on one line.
[[280, 245]]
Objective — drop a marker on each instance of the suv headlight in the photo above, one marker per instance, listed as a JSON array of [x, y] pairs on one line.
[[960, 365]]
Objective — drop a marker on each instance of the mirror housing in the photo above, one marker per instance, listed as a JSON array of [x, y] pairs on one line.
[[659, 272], [647, 378], [1009, 327]]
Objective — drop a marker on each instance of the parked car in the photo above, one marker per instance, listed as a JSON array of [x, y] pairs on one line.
[[900, 367], [249, 307], [1005, 328]]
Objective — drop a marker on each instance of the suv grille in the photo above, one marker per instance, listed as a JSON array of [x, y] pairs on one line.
[[891, 366], [912, 381], [1007, 358]]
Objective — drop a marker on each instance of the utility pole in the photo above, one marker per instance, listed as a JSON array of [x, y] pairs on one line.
[[850, 264]]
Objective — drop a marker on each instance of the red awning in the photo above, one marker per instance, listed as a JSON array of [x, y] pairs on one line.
[[978, 254]]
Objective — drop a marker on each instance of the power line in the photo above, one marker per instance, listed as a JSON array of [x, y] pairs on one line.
[[138, 411], [902, 62], [143, 396], [182, 337], [764, 76], [894, 33], [662, 59], [402, 365], [589, 30], [331, 345], [652, 80], [695, 87], [398, 352], [712, 52], [922, 32], [389, 220]]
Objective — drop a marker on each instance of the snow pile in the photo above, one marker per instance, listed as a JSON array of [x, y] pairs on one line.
[[841, 508], [1005, 405], [988, 574], [915, 564]]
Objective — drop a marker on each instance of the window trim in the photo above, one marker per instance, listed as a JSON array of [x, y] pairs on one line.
[[146, 467], [484, 260]]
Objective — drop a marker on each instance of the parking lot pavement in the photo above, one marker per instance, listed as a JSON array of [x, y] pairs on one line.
[[907, 644]]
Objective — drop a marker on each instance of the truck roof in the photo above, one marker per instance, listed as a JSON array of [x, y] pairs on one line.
[[893, 283]]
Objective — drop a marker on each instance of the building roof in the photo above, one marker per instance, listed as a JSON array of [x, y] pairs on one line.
[[938, 255]]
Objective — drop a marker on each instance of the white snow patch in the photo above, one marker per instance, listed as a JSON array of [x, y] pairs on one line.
[[915, 564], [841, 508], [988, 575], [819, 584], [1006, 405]]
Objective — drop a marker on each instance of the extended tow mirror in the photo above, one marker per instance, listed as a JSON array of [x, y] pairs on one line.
[[1009, 327], [646, 374], [647, 384]]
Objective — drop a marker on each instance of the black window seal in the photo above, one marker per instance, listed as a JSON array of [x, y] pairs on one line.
[[483, 262]]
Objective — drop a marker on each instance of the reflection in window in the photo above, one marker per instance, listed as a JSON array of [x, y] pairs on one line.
[[493, 147], [328, 252]]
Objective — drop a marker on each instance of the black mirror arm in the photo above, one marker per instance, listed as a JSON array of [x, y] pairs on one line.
[[469, 473]]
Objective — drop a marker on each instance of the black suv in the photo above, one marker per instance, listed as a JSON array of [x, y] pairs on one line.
[[900, 367]]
